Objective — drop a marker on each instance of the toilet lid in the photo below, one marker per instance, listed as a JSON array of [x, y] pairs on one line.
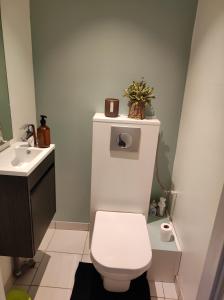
[[121, 241]]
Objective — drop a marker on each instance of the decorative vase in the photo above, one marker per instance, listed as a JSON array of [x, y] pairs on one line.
[[150, 112], [136, 110]]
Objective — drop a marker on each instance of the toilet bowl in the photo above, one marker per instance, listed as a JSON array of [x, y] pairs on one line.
[[120, 248]]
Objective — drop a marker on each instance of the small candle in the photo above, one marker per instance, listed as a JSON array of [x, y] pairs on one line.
[[111, 107]]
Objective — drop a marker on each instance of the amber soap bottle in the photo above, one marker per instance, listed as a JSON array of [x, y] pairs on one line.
[[43, 133]]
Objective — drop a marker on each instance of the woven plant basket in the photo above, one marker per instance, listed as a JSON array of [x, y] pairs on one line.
[[136, 110]]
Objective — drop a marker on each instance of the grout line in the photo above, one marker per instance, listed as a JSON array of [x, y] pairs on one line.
[[84, 245], [163, 291], [50, 239]]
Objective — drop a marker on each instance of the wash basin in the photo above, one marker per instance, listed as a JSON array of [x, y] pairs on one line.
[[20, 159], [25, 155]]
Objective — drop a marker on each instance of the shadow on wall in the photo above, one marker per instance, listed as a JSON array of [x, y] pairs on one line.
[[162, 169]]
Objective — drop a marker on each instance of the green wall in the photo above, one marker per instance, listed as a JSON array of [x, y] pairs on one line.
[[85, 51]]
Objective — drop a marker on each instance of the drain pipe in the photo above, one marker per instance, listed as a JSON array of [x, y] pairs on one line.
[[2, 291]]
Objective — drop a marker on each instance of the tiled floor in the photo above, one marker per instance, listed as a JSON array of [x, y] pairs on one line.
[[57, 260]]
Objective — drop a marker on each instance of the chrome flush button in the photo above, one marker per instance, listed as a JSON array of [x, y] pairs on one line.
[[125, 139]]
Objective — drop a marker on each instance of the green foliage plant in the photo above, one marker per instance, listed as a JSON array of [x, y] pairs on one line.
[[139, 94]]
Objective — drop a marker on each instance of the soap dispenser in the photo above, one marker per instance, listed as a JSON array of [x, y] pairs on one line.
[[43, 133]]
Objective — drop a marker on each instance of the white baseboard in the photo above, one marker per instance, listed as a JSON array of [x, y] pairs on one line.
[[69, 225], [52, 225], [178, 289]]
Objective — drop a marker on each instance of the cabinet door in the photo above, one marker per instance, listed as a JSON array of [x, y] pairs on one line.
[[16, 236], [43, 205]]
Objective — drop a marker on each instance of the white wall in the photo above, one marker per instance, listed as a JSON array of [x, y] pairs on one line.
[[2, 292], [18, 54], [212, 279], [198, 172], [5, 268]]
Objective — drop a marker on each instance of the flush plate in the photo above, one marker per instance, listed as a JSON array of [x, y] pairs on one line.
[[125, 139]]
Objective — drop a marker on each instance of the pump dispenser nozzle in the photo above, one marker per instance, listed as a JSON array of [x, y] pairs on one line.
[[43, 120]]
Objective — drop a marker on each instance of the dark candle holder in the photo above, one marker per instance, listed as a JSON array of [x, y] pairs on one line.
[[111, 107]]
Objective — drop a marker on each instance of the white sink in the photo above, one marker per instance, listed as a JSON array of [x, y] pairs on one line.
[[20, 159], [25, 155]]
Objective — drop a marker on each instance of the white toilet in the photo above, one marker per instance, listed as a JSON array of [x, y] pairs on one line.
[[123, 156]]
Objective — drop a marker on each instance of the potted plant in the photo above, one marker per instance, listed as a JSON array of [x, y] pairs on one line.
[[140, 94]]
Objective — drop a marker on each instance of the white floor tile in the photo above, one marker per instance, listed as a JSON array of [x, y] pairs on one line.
[[156, 289], [170, 290], [46, 240], [57, 270], [47, 293], [86, 249], [68, 241], [86, 258], [27, 278]]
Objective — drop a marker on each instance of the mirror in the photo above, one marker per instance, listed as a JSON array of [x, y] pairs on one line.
[[5, 113]]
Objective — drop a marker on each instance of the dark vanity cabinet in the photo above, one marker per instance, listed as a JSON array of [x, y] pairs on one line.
[[27, 206]]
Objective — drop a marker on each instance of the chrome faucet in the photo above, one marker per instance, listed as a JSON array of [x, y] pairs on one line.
[[30, 131]]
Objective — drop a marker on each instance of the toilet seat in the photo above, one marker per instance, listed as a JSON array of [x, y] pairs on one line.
[[120, 244]]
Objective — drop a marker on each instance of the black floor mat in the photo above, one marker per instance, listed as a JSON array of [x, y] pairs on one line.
[[89, 286]]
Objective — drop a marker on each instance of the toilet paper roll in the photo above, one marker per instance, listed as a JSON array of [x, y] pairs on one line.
[[165, 232]]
